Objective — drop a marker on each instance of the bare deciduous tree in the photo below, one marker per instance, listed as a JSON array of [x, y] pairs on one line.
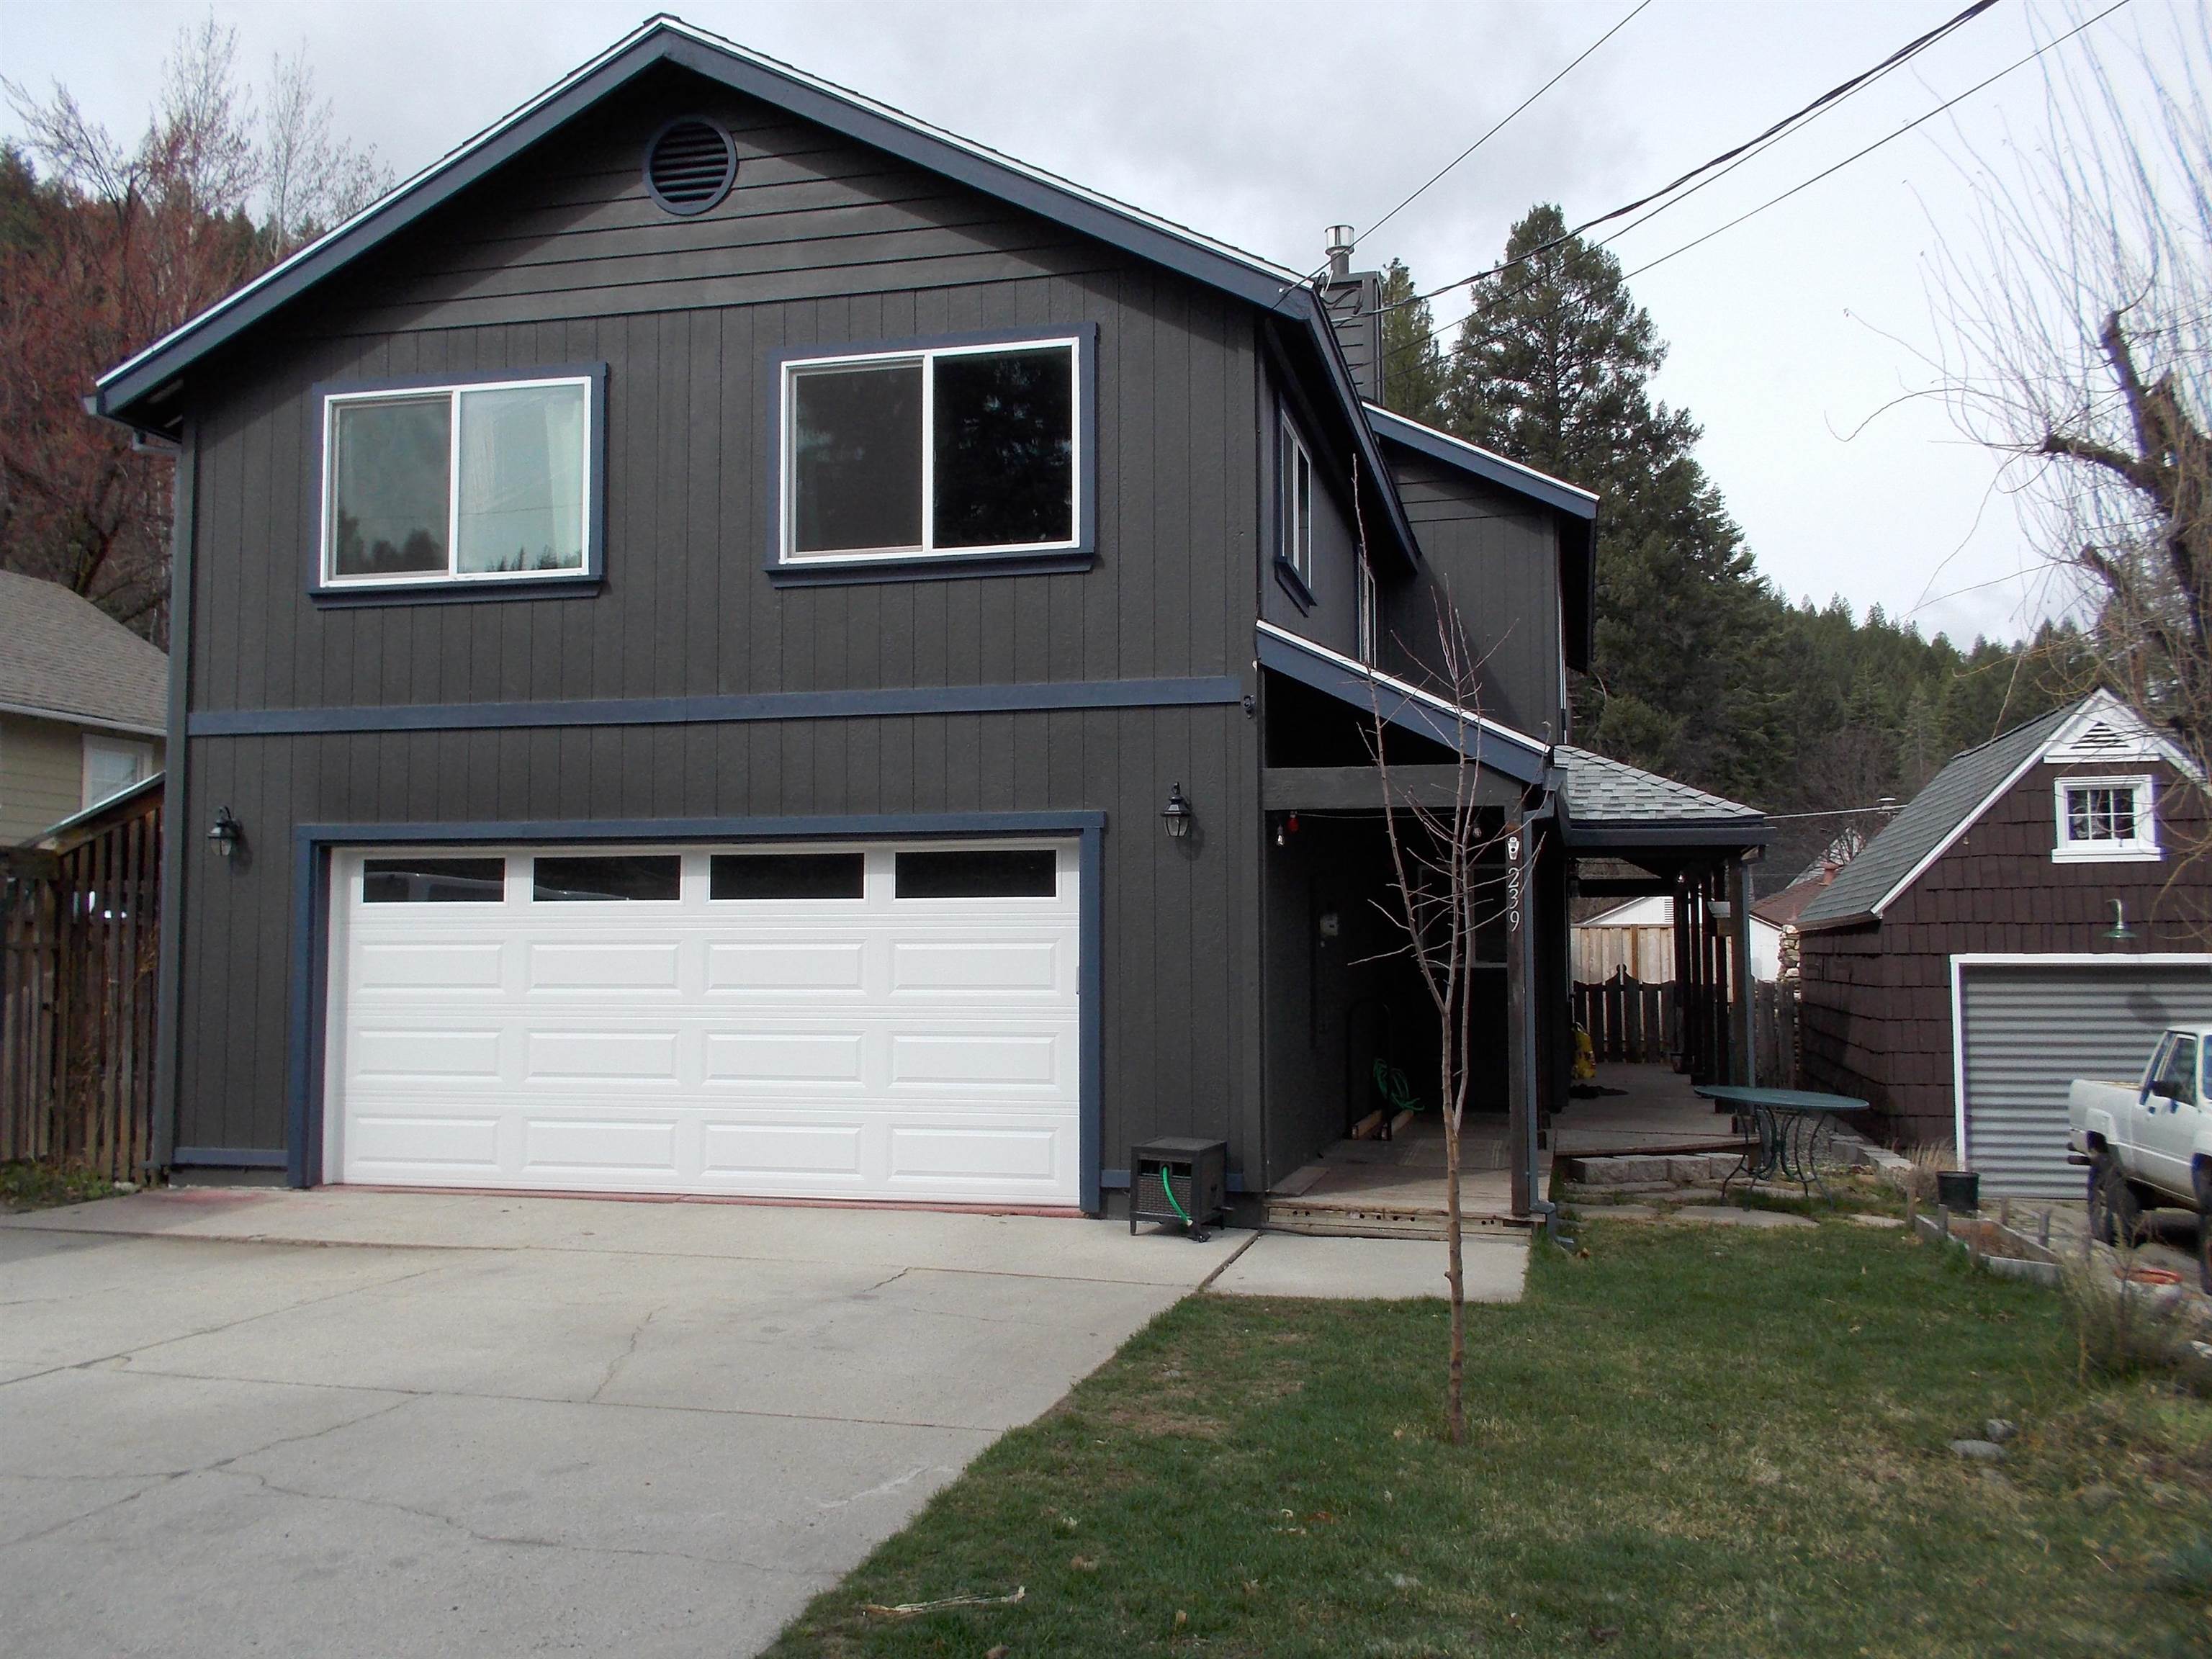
[[109, 246], [1443, 897], [2075, 316]]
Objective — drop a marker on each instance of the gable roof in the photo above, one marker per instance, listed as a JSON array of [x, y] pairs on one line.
[[1928, 824], [1611, 801], [65, 659], [1576, 507], [140, 392]]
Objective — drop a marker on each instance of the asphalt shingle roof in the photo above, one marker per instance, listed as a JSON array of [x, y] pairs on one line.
[[61, 654], [1953, 796], [1603, 791]]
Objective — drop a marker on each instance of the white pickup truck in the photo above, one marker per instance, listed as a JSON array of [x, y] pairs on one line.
[[2149, 1144]]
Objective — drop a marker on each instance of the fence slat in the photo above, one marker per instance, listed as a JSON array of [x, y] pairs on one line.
[[78, 939]]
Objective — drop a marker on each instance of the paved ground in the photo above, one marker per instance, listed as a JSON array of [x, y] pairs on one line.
[[1375, 1269], [388, 1425]]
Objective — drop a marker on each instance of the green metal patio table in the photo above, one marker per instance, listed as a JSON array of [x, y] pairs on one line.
[[1792, 1125]]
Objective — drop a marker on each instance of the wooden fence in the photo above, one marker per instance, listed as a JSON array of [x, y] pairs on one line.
[[78, 941], [1628, 1021]]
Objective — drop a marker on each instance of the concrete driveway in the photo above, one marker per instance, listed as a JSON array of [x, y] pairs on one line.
[[237, 1422]]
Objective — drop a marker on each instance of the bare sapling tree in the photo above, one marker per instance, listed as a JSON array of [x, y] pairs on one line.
[[1441, 897], [2075, 314]]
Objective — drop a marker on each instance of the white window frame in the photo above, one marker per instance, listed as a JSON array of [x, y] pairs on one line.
[[1294, 523], [453, 574], [1366, 626], [2143, 849], [925, 358], [140, 749]]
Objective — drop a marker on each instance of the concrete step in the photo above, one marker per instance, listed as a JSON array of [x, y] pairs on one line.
[[1376, 1220], [1645, 1171]]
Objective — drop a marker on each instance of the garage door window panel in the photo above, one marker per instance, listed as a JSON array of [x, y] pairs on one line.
[[433, 881], [769, 877], [650, 878], [975, 872]]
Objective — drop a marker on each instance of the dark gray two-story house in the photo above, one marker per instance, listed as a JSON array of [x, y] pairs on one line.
[[729, 641]]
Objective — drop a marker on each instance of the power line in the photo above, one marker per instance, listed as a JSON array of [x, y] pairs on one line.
[[1843, 90], [1879, 143], [1501, 125], [1806, 183]]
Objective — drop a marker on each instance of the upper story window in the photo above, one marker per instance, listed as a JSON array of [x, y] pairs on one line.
[[1369, 628], [1294, 508], [484, 482], [959, 452], [2106, 819]]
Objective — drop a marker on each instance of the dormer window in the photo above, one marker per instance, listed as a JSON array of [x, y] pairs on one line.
[[2106, 820], [952, 453]]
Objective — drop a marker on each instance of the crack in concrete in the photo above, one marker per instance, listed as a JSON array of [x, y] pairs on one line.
[[214, 1330], [160, 1478], [510, 1540], [614, 1366], [888, 1487]]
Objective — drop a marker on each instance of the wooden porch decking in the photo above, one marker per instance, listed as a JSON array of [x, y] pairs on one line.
[[1395, 1188]]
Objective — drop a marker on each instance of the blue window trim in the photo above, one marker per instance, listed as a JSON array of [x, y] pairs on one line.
[[1294, 585], [831, 570], [314, 843], [434, 590]]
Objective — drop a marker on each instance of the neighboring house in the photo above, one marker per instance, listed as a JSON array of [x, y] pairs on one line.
[[2035, 914], [83, 705], [1637, 939], [742, 644]]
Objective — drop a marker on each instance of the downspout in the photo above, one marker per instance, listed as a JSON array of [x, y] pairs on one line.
[[168, 1033]]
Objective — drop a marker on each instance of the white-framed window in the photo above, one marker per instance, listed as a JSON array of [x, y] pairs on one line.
[[481, 482], [112, 765], [959, 451], [1294, 508], [1369, 629], [2106, 819]]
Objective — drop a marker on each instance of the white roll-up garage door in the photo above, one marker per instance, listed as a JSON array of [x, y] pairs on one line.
[[2026, 1027], [880, 1022]]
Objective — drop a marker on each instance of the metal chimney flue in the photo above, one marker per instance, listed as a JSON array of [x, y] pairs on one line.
[[1339, 253]]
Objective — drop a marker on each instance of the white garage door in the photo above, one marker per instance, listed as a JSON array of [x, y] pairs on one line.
[[2027, 1028], [885, 1022]]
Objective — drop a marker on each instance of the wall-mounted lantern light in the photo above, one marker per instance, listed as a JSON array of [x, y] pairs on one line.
[[2119, 932], [225, 834], [1176, 814]]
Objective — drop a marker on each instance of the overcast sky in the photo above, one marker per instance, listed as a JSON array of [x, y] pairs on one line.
[[1261, 124]]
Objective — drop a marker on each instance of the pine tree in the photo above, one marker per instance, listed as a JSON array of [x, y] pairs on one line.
[[1553, 368], [1414, 371]]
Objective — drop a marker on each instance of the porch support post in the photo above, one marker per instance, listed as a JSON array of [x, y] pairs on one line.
[[1519, 1051], [1679, 1036], [1746, 1055]]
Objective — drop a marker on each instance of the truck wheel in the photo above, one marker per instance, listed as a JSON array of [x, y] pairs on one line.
[[2115, 1217], [2205, 1229]]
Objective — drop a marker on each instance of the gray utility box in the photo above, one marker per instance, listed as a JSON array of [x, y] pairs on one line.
[[1179, 1171]]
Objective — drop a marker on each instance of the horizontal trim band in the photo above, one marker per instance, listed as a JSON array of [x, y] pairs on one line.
[[1044, 696], [227, 1157]]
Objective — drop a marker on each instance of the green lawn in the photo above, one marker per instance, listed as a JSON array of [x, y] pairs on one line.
[[1692, 1443]]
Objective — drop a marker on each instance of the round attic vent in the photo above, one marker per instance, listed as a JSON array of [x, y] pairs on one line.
[[690, 165]]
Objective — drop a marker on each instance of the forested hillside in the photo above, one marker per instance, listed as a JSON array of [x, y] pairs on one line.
[[1703, 671]]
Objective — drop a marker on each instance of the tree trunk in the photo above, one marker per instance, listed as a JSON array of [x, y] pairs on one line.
[[1456, 1373]]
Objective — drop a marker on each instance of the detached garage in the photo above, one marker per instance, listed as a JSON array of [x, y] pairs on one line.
[[839, 1021], [2026, 1027]]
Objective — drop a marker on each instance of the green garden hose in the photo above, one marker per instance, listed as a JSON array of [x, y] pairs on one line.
[[1167, 1186]]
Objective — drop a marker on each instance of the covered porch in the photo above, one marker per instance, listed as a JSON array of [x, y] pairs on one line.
[[1353, 1140]]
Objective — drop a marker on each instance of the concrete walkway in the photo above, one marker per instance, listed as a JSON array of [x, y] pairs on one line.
[[1495, 1266], [390, 1425]]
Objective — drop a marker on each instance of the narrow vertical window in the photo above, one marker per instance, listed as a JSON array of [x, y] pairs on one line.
[[1369, 628], [1294, 519]]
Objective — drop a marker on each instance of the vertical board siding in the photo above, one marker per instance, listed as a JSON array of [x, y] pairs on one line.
[[1178, 924], [1494, 558]]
